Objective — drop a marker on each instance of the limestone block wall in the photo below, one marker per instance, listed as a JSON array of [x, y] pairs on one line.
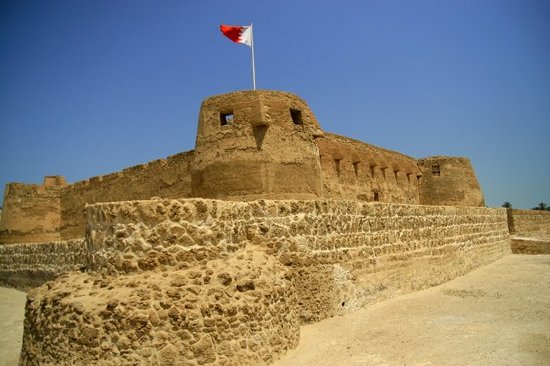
[[31, 213], [197, 281], [341, 254], [530, 223], [166, 178], [356, 170], [30, 265]]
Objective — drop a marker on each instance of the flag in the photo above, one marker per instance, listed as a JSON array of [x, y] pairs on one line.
[[238, 33]]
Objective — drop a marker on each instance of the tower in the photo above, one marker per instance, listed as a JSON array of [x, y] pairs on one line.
[[256, 144]]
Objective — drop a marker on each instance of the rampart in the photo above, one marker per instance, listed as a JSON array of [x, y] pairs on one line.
[[449, 181], [165, 178], [355, 170], [250, 145], [216, 255], [29, 265], [205, 281]]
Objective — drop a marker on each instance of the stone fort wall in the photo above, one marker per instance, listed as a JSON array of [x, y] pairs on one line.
[[208, 281], [166, 178], [31, 212], [54, 211], [29, 265], [530, 223], [250, 145], [228, 277]]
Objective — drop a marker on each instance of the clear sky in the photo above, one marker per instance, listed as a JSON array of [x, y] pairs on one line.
[[91, 87]]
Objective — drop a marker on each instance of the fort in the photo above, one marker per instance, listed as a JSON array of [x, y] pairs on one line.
[[250, 145], [217, 255]]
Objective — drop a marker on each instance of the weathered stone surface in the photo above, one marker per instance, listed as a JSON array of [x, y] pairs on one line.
[[256, 270], [250, 145], [195, 281], [529, 223], [88, 318], [521, 245], [30, 265], [449, 181], [31, 212]]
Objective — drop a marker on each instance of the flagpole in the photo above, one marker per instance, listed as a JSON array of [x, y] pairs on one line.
[[253, 65]]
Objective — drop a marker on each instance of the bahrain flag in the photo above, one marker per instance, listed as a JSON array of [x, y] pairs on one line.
[[238, 33]]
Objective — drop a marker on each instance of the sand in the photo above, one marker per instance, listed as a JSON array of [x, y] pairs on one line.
[[12, 313], [496, 315]]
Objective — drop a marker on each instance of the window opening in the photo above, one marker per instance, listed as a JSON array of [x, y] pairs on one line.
[[376, 196], [296, 115], [226, 119], [436, 169]]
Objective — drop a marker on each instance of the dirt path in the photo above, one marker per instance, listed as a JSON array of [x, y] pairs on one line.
[[496, 315], [12, 313]]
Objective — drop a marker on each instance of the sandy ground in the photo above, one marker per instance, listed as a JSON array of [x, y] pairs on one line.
[[12, 313], [496, 315]]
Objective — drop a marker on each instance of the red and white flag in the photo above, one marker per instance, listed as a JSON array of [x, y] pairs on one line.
[[238, 33]]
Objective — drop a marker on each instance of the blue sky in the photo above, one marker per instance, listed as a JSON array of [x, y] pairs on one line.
[[91, 87]]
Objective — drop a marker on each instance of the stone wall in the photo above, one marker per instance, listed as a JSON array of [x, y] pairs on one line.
[[25, 266], [31, 213], [227, 312], [356, 170], [526, 245], [250, 145], [530, 223], [204, 281], [391, 247], [50, 212], [165, 178]]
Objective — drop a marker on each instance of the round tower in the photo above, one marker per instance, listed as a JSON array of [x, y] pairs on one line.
[[256, 144], [449, 181]]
